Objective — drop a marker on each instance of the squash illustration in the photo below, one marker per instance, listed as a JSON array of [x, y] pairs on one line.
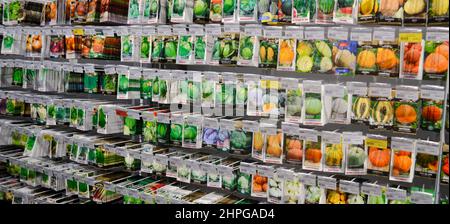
[[286, 52], [361, 108], [405, 114], [435, 63], [274, 145], [432, 113], [382, 112], [379, 157], [443, 49], [313, 155], [439, 7], [258, 141], [294, 149], [366, 7], [356, 157], [414, 7], [390, 7], [386, 58], [334, 155], [366, 59], [402, 163]]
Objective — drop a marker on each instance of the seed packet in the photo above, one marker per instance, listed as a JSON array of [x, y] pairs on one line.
[[208, 89], [163, 128], [210, 131], [226, 93], [310, 193], [411, 64], [254, 97], [271, 98], [276, 189], [164, 83], [170, 46], [390, 12], [13, 12], [415, 12], [268, 11], [301, 10], [435, 65], [108, 121], [388, 58], [145, 44], [157, 48], [226, 126], [249, 45], [244, 183], [360, 102], [444, 168], [324, 11], [432, 107], [192, 132], [134, 11], [314, 54], [155, 84], [268, 47], [151, 11], [312, 149], [427, 158], [34, 43], [313, 111], [367, 12], [229, 11], [356, 153], [93, 11], [128, 82], [201, 11], [403, 158], [345, 12], [185, 45], [229, 174], [132, 123], [128, 45], [345, 57], [215, 14], [214, 179], [229, 45], [213, 33], [381, 106], [182, 11], [336, 197], [337, 104], [149, 126], [248, 11], [286, 54], [293, 145], [366, 52], [294, 100], [11, 40], [178, 87], [258, 144], [273, 150], [146, 83], [259, 185], [241, 137], [334, 152], [379, 154], [406, 109], [176, 128], [78, 11], [437, 13], [291, 185], [241, 96]]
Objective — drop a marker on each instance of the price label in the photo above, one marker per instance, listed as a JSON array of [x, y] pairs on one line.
[[268, 130], [380, 91], [308, 179], [353, 138], [250, 126], [335, 90], [371, 189], [285, 174], [247, 168], [314, 34], [266, 171], [338, 34], [289, 84], [349, 187], [331, 137], [163, 118], [134, 114], [160, 199], [227, 124], [89, 69], [419, 197], [290, 128], [89, 31], [272, 32], [109, 32], [312, 86], [327, 182], [176, 161], [161, 159], [404, 144], [396, 194], [78, 31], [249, 78], [427, 147], [109, 70], [407, 94], [196, 30], [432, 94], [308, 134], [78, 69], [213, 29], [294, 32], [410, 37], [225, 170], [210, 123], [437, 36], [231, 28], [208, 168], [384, 34], [361, 36], [253, 30]]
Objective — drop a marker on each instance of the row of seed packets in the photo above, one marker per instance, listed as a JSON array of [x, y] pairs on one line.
[[51, 12], [380, 105], [364, 51]]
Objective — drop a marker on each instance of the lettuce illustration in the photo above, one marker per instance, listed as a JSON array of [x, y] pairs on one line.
[[149, 131], [123, 83], [200, 47], [130, 126], [228, 7], [170, 50], [193, 91], [246, 48], [8, 42], [51, 111], [162, 131], [155, 86], [133, 9], [178, 7], [247, 7], [157, 49], [201, 8], [101, 118], [145, 47], [241, 140], [176, 132], [185, 47], [190, 132]]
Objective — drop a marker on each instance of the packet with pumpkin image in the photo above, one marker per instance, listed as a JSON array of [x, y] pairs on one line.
[[390, 12], [427, 158], [313, 112], [435, 65], [403, 157], [366, 52], [334, 153], [388, 54], [312, 146], [33, 42], [268, 47], [51, 12], [367, 12], [379, 154], [273, 150], [444, 172], [287, 48], [259, 185], [411, 55], [381, 106], [355, 152], [293, 145], [249, 45], [406, 109], [432, 107]]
